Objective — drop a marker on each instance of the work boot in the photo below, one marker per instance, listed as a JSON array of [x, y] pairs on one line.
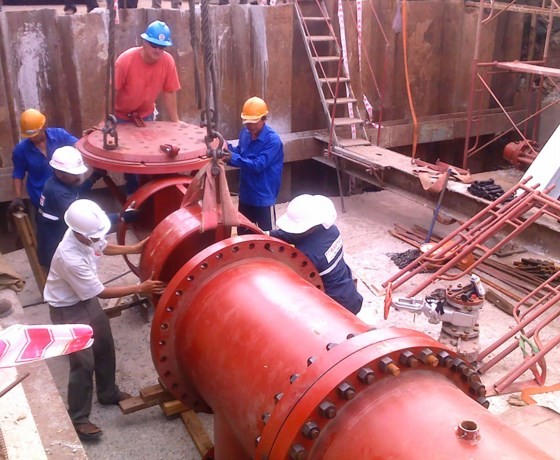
[[88, 431], [121, 395]]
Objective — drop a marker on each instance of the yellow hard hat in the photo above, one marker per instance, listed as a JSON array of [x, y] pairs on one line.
[[31, 123], [253, 110]]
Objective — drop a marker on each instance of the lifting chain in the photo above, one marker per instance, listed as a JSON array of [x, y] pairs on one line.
[[110, 136]]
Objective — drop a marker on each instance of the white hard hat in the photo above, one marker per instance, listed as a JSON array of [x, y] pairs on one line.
[[307, 211], [69, 160], [87, 218]]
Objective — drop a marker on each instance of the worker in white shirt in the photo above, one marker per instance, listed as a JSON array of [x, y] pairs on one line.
[[72, 291]]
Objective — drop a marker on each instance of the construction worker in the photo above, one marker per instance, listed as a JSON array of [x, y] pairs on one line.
[[72, 292], [260, 157], [143, 73], [174, 4], [60, 191], [32, 155], [308, 224]]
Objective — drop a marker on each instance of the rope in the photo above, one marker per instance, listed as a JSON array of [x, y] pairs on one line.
[[194, 46]]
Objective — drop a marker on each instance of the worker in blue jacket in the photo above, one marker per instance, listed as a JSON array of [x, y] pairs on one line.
[[309, 225], [32, 155], [260, 157], [60, 191]]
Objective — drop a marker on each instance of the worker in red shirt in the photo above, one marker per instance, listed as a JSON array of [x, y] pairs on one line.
[[143, 73]]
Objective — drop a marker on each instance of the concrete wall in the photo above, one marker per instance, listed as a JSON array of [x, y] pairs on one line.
[[59, 63]]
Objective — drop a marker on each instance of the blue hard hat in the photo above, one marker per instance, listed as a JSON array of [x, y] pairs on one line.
[[158, 33]]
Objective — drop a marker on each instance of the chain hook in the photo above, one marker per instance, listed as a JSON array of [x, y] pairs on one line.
[[110, 129]]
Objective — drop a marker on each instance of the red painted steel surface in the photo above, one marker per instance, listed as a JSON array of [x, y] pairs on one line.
[[139, 148], [156, 200], [244, 330], [177, 240]]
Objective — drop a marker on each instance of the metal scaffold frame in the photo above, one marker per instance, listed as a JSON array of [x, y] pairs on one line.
[[482, 73]]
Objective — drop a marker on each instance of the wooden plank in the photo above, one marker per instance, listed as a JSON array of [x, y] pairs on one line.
[[134, 404], [539, 424], [173, 407], [197, 432], [499, 302], [29, 241], [154, 393], [113, 309]]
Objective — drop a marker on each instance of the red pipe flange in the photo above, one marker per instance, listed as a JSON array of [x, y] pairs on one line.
[[192, 278], [242, 329], [179, 239], [162, 196], [139, 148]]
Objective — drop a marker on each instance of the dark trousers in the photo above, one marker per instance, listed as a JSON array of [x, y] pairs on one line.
[[98, 359], [259, 215], [71, 5]]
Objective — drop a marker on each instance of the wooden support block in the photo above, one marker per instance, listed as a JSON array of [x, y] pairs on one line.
[[114, 308], [153, 392], [499, 301], [197, 432], [173, 407], [134, 404]]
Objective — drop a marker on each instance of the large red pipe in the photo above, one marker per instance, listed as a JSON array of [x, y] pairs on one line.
[[245, 329]]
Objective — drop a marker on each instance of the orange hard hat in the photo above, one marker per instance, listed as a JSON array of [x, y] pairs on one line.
[[253, 110], [31, 123]]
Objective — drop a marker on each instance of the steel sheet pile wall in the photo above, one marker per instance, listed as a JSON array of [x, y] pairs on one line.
[[59, 63]]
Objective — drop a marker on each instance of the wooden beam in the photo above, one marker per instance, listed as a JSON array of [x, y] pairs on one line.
[[197, 432], [173, 407], [134, 404], [153, 392], [29, 241]]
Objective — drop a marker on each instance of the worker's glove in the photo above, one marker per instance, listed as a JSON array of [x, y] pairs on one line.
[[130, 214], [16, 205], [97, 174]]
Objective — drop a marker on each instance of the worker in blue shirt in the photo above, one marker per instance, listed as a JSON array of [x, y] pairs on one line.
[[32, 155], [309, 225], [260, 158], [60, 191]]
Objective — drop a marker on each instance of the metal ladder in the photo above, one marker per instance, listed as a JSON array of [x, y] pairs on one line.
[[333, 82]]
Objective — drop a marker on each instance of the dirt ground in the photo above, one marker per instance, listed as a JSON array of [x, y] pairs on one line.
[[364, 226]]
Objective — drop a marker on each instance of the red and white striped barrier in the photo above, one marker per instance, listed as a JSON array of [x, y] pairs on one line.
[[21, 344]]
